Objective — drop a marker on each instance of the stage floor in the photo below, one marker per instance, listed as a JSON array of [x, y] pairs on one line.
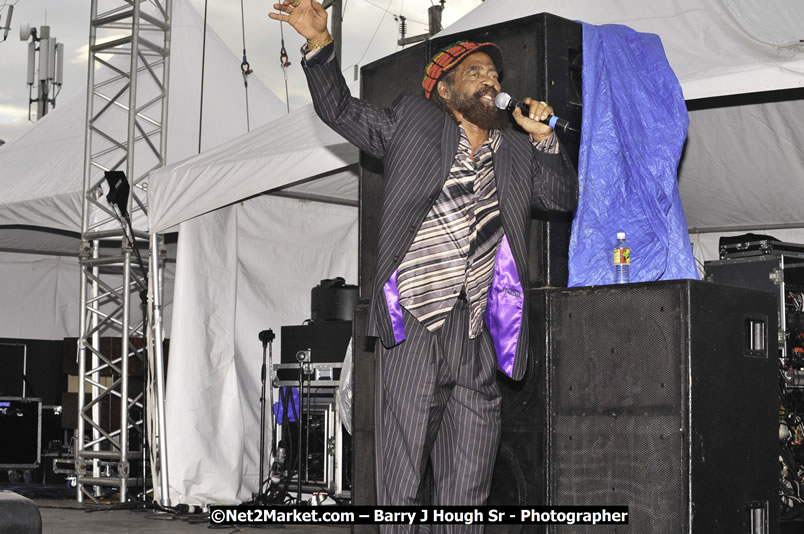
[[59, 517], [64, 517], [61, 514]]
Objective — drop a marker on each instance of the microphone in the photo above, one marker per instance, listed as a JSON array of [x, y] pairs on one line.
[[508, 103]]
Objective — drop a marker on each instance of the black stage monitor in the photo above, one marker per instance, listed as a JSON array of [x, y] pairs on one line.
[[327, 341], [21, 430]]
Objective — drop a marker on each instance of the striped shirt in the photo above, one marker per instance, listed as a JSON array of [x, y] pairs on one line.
[[453, 252]]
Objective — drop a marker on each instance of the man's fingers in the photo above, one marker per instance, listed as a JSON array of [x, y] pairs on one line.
[[287, 6], [284, 8], [538, 110]]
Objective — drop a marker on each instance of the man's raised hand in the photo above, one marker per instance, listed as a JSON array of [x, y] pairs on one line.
[[307, 17]]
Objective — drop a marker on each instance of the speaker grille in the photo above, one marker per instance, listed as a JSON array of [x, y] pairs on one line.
[[616, 414], [630, 460]]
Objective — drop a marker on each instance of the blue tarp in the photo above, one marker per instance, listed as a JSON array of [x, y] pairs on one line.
[[634, 126]]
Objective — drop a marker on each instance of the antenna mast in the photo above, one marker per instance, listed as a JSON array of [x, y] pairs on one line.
[[46, 74], [7, 27]]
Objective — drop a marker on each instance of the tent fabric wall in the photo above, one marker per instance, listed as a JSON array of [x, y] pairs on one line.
[[744, 166], [241, 269], [39, 295], [39, 241]]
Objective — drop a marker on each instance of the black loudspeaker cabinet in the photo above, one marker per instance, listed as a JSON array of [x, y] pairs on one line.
[[21, 428], [542, 55], [37, 363], [327, 341], [660, 396]]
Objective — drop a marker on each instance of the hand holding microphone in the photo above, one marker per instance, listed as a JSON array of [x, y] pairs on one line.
[[507, 102]]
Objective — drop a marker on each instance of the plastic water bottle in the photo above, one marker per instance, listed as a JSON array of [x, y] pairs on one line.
[[622, 260]]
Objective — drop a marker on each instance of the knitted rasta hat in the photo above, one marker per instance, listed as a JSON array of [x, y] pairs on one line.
[[452, 55]]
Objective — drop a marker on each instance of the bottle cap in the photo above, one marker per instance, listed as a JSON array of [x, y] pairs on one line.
[[620, 235]]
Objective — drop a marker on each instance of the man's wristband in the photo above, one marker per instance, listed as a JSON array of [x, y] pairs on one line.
[[315, 46]]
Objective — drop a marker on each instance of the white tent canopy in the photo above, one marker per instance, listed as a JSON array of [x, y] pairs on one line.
[[287, 151], [41, 177]]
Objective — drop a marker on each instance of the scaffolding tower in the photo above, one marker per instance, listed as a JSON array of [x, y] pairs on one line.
[[126, 127]]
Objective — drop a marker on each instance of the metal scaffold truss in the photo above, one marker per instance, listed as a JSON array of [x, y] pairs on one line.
[[119, 352]]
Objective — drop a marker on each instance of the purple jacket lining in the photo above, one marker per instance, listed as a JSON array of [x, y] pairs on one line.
[[503, 310]]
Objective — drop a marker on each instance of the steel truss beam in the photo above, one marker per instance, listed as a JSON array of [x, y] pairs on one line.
[[125, 129]]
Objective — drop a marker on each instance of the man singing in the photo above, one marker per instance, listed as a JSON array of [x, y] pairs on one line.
[[448, 304]]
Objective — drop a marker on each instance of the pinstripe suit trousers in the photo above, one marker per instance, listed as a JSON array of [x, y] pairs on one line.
[[437, 398]]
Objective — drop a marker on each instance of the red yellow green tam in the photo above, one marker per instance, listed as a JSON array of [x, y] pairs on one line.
[[452, 55]]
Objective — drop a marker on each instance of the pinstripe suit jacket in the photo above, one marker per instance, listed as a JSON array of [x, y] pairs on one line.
[[417, 142]]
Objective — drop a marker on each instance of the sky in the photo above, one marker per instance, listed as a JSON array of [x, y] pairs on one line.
[[369, 29]]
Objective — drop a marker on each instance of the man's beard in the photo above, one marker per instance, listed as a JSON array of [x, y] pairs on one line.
[[478, 112]]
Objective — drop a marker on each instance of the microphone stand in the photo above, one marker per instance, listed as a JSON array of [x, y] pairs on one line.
[[303, 357], [267, 337]]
